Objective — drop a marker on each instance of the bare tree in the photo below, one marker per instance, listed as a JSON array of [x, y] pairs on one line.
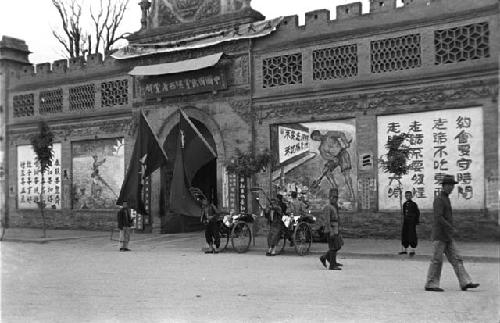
[[395, 162], [42, 145], [97, 34], [72, 38]]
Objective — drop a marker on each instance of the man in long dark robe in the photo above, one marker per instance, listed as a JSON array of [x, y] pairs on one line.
[[411, 217]]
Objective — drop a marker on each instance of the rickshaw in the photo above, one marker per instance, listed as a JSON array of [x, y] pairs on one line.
[[232, 226], [296, 227], [237, 228]]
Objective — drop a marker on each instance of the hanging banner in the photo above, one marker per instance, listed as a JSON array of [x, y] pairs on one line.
[[29, 179], [441, 142]]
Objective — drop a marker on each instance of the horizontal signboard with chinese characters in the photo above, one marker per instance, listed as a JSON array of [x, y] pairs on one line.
[[206, 80], [440, 142], [29, 179], [292, 142]]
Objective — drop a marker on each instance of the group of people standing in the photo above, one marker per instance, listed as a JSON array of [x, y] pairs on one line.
[[442, 231]]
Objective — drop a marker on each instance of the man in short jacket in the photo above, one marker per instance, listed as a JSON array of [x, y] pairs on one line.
[[442, 231], [210, 217], [124, 223]]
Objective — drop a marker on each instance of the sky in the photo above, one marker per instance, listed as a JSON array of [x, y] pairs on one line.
[[39, 17]]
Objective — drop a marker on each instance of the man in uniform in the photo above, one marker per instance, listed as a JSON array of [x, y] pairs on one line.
[[442, 231], [332, 230]]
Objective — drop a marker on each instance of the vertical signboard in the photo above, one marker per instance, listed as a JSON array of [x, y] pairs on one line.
[[441, 142], [225, 188], [232, 192], [243, 194]]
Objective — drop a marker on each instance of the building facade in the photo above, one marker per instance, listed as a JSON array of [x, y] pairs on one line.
[[324, 98]]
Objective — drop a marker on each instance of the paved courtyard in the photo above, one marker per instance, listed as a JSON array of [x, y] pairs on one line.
[[169, 280]]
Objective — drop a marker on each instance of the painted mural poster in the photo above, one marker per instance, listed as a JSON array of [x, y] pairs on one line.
[[323, 157], [29, 179], [441, 142], [98, 172]]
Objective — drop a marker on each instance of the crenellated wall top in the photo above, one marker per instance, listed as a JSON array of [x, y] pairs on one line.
[[63, 69], [349, 21], [383, 16]]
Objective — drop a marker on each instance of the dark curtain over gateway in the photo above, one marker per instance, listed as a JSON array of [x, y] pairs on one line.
[[147, 157], [192, 153]]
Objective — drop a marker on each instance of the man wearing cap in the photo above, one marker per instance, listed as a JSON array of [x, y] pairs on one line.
[[332, 230], [442, 231]]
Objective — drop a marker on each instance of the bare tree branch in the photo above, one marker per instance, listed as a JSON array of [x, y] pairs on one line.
[[118, 12], [104, 19], [62, 41]]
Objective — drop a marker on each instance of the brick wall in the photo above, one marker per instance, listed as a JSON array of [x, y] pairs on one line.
[[66, 219], [470, 226]]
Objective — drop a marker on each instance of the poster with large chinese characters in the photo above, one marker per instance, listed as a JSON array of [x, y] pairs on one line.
[[441, 142], [29, 179], [98, 171]]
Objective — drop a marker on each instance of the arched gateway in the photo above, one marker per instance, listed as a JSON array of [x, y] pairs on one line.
[[208, 178]]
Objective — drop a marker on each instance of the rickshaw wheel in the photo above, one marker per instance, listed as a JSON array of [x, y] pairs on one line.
[[302, 238], [241, 236], [224, 232]]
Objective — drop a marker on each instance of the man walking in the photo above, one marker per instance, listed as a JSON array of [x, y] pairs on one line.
[[332, 229], [124, 224], [442, 231]]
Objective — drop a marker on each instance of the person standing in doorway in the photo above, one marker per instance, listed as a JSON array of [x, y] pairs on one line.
[[124, 224], [209, 216], [442, 231], [335, 241], [411, 217]]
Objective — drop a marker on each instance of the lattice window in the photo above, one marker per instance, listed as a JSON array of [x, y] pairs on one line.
[[24, 105], [461, 44], [114, 93], [51, 101], [336, 62], [282, 70], [395, 54], [82, 97]]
